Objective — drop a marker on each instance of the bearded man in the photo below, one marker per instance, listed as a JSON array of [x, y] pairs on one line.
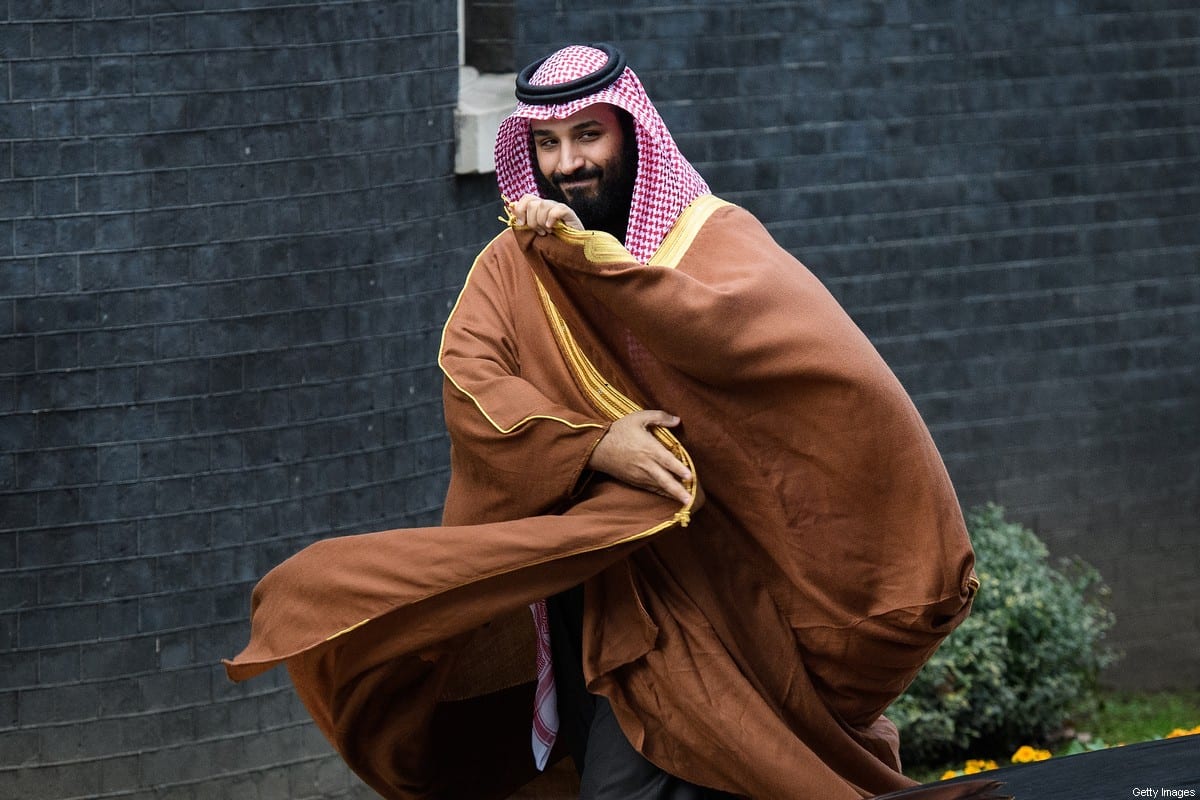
[[626, 340]]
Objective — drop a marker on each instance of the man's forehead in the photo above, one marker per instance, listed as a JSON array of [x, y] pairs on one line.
[[600, 114]]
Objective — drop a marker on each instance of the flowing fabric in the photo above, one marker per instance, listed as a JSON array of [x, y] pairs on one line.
[[753, 650]]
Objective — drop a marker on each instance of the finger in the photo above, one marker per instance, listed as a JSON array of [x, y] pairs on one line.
[[556, 215], [521, 208], [674, 466], [662, 454], [567, 216], [542, 214], [657, 417], [666, 484]]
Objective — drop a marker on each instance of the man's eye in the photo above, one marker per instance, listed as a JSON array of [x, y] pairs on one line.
[[546, 144]]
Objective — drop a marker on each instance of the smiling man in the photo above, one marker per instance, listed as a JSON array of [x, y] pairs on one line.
[[588, 162], [735, 534]]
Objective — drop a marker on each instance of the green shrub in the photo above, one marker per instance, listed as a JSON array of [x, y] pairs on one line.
[[1028, 654]]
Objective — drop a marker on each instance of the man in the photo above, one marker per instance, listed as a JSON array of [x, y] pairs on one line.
[[629, 339]]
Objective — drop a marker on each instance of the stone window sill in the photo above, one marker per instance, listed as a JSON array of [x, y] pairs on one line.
[[483, 103]]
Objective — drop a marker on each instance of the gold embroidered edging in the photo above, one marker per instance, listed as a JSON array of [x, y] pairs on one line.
[[610, 402], [603, 248], [344, 631], [683, 232]]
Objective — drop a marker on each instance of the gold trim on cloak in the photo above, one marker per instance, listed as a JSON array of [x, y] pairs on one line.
[[602, 248]]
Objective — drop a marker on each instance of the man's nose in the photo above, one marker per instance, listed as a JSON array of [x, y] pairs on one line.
[[569, 159]]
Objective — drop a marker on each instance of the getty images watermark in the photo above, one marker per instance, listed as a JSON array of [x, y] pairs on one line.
[[1146, 791]]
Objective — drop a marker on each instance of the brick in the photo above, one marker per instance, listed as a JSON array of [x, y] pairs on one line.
[[59, 665], [19, 670], [17, 355], [57, 120], [57, 197], [16, 121], [15, 41], [101, 660], [31, 81], [105, 36], [53, 39], [57, 275], [157, 73]]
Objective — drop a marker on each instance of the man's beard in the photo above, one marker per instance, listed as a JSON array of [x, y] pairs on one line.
[[607, 207]]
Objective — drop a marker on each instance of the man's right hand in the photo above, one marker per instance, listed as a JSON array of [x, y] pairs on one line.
[[630, 453], [542, 215]]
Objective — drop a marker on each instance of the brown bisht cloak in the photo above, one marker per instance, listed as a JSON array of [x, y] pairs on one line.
[[749, 641]]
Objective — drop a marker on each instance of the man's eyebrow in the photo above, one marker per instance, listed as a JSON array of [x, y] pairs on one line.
[[587, 123]]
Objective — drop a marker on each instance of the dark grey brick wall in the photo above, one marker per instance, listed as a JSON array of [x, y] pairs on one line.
[[229, 233], [1006, 197]]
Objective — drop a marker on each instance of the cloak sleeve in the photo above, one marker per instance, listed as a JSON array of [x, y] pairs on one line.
[[521, 433]]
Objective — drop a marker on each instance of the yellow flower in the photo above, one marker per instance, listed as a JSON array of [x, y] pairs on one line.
[[973, 767], [1183, 732], [1025, 754]]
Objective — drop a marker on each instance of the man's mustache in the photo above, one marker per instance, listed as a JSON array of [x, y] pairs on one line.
[[585, 174]]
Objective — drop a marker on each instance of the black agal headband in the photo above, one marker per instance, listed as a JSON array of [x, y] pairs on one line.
[[571, 90]]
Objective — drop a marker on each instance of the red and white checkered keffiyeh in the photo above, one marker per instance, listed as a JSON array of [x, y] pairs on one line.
[[545, 699], [666, 182]]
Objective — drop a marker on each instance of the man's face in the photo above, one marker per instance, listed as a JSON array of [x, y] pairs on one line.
[[584, 161]]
